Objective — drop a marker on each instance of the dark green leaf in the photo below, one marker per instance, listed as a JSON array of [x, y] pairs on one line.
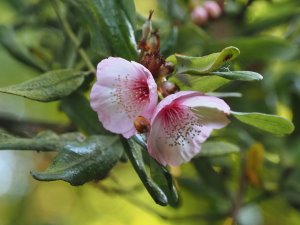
[[198, 83], [270, 123], [239, 75], [168, 46], [80, 162], [217, 148], [111, 26], [215, 181], [49, 86], [134, 153], [11, 44], [78, 109], [205, 64], [164, 180], [173, 9]]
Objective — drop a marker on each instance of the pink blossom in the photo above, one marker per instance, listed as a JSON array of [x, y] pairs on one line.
[[181, 123], [199, 15], [123, 91], [213, 9]]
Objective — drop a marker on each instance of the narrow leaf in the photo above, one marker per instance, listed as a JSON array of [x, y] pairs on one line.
[[239, 75], [217, 148], [162, 177], [80, 162], [205, 64], [11, 44], [49, 86], [270, 123], [110, 24], [134, 153]]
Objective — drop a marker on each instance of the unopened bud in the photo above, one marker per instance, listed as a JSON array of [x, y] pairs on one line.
[[154, 42], [142, 125], [199, 15], [213, 9], [147, 26], [166, 69], [167, 88]]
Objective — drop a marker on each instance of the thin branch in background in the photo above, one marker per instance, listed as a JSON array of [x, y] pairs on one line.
[[238, 200], [67, 28], [29, 128]]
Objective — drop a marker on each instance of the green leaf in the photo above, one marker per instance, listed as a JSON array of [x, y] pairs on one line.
[[258, 50], [198, 83], [78, 109], [162, 177], [239, 75], [49, 86], [110, 24], [173, 9], [217, 148], [134, 153], [11, 44], [205, 64], [282, 12], [80, 162], [168, 46], [270, 123]]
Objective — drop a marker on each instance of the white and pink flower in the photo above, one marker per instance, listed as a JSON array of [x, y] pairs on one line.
[[123, 91], [181, 123]]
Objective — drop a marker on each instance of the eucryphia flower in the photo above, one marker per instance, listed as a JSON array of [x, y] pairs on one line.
[[181, 123], [123, 91]]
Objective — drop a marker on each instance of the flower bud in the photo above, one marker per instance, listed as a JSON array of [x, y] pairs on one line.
[[153, 42], [147, 27], [166, 69], [152, 61], [141, 124], [199, 15], [167, 88], [213, 9]]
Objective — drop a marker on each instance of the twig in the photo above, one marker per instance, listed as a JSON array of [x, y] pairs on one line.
[[238, 201], [30, 128], [67, 28]]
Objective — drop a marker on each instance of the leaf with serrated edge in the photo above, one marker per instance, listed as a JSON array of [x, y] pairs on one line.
[[78, 163], [49, 86]]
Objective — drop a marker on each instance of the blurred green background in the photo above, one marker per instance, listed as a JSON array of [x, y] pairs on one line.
[[268, 34]]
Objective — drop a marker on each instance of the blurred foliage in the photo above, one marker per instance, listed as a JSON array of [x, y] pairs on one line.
[[252, 179]]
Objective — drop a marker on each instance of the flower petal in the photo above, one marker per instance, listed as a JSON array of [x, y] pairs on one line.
[[123, 91], [181, 123]]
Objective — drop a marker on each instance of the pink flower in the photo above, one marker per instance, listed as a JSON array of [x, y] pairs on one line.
[[181, 123], [199, 15], [123, 91], [213, 9]]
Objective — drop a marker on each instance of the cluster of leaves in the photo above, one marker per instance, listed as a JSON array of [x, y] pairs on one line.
[[87, 31]]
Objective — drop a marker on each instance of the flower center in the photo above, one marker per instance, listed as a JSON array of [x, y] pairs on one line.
[[140, 91], [131, 94], [181, 125]]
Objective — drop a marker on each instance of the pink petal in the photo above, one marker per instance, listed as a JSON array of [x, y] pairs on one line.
[[123, 91], [181, 123]]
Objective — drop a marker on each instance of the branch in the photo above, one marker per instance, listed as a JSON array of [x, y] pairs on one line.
[[67, 28]]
